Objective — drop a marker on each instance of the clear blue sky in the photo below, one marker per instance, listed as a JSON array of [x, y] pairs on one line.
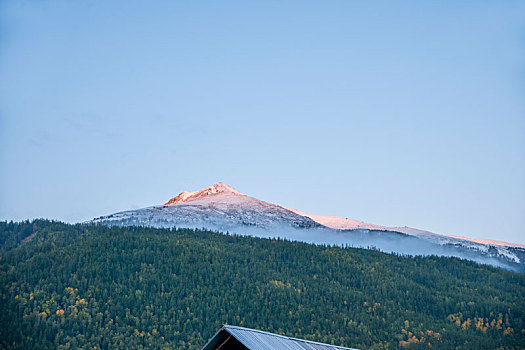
[[395, 113]]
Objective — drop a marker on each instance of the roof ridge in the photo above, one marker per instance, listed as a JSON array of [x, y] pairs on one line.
[[226, 326]]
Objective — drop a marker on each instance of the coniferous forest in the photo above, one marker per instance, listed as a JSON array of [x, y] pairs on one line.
[[73, 286]]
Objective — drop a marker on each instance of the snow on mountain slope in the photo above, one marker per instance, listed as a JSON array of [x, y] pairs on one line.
[[341, 223], [213, 189], [218, 207], [488, 241], [222, 208], [338, 222]]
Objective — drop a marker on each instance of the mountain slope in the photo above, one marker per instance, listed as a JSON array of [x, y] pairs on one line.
[[218, 207], [222, 208]]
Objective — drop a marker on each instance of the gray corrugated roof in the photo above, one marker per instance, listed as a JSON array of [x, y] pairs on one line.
[[259, 340]]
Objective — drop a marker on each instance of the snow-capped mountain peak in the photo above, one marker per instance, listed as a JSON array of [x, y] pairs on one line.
[[213, 189], [222, 208]]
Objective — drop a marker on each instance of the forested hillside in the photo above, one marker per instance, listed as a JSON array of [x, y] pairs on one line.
[[74, 286]]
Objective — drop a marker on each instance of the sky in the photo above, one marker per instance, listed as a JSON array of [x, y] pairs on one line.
[[393, 113]]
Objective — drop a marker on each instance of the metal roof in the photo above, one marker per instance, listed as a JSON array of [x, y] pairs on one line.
[[259, 340]]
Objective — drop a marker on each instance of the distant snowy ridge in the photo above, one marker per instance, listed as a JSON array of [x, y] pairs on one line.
[[222, 208], [341, 223], [488, 241]]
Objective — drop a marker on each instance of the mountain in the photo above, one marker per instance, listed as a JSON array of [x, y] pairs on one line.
[[222, 208], [218, 207]]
